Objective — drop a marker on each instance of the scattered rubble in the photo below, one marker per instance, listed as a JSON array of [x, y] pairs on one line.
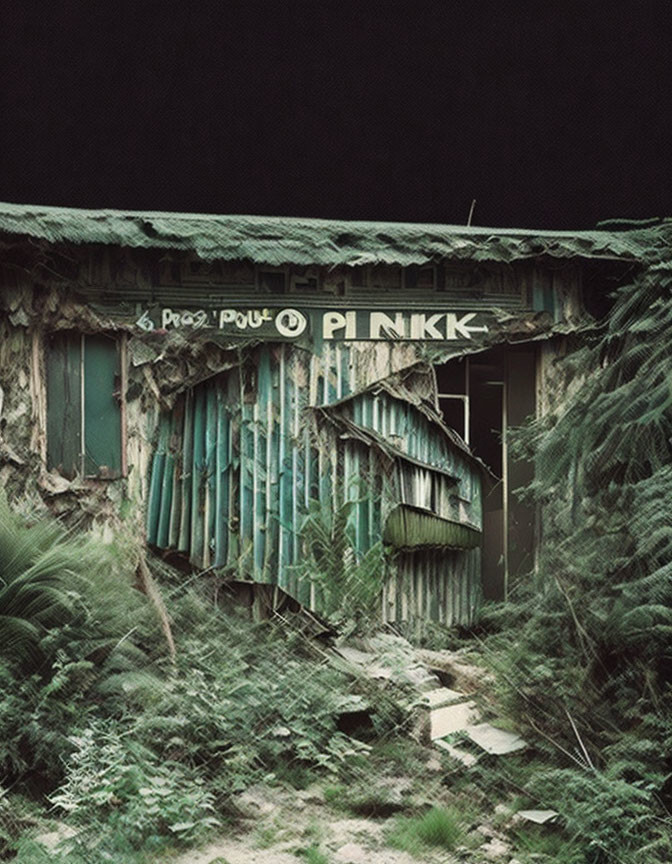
[[463, 756], [495, 850], [452, 718], [442, 696], [446, 711]]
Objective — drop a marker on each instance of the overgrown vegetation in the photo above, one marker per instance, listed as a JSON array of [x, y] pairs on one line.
[[72, 629], [349, 580], [137, 752], [588, 672], [141, 753]]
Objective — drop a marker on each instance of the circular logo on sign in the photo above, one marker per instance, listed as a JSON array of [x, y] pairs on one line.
[[290, 322]]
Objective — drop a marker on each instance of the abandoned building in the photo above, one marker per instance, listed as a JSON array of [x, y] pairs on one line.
[[215, 379]]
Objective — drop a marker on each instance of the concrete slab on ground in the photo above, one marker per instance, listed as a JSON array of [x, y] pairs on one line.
[[452, 718], [443, 696], [496, 741], [541, 817], [467, 759]]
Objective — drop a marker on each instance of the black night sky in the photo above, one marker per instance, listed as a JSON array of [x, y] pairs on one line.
[[550, 115]]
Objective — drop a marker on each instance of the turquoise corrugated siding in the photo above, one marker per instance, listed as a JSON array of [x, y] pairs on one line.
[[439, 585], [240, 457]]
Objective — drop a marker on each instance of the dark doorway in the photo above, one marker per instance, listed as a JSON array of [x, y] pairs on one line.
[[482, 396]]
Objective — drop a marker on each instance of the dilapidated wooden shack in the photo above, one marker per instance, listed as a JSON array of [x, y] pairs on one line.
[[211, 378]]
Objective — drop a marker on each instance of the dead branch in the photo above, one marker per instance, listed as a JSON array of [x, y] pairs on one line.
[[149, 588]]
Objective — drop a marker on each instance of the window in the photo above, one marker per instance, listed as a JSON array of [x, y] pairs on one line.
[[304, 281], [84, 405], [371, 278], [452, 380]]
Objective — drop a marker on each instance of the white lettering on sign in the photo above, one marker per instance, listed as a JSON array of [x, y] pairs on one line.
[[440, 326], [242, 319], [334, 325], [392, 328], [144, 322], [184, 318], [424, 328], [333, 321], [455, 327], [290, 322]]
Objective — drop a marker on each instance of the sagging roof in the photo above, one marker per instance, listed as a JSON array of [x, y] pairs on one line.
[[281, 240]]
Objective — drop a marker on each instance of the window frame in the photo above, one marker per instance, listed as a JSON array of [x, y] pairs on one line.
[[461, 397]]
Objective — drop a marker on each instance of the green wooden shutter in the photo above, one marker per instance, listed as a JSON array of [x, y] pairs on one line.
[[64, 403], [102, 411], [69, 357]]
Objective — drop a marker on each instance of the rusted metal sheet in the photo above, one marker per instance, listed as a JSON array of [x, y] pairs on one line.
[[241, 456]]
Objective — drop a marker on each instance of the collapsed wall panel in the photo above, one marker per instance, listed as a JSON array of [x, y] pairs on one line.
[[243, 456]]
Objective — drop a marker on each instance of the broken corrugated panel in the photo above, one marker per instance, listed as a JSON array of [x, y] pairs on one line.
[[187, 474], [497, 742], [238, 463], [408, 527], [198, 475], [222, 464], [540, 817]]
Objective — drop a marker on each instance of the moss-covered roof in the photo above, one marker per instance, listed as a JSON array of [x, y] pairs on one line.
[[279, 240]]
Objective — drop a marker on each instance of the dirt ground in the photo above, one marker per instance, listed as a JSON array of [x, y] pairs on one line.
[[281, 826]]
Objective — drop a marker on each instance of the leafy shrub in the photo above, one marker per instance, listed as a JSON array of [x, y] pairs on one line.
[[312, 855], [348, 580], [145, 753], [245, 701], [608, 816], [40, 570], [70, 624], [364, 798], [535, 843], [113, 779]]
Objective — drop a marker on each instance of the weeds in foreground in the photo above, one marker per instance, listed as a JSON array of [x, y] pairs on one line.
[[543, 842], [364, 798], [439, 827]]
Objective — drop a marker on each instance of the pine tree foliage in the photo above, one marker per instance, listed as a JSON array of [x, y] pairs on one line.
[[590, 670]]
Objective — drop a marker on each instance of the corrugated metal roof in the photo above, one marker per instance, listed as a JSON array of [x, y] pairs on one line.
[[281, 240]]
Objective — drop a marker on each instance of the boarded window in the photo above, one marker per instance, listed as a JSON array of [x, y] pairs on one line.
[[83, 405]]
